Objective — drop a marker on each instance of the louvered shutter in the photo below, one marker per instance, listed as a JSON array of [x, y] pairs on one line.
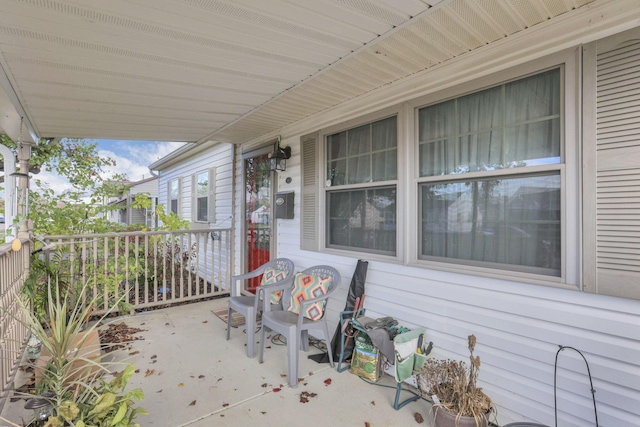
[[611, 161], [309, 208]]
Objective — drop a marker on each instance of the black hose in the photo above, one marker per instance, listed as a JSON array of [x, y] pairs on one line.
[[555, 375]]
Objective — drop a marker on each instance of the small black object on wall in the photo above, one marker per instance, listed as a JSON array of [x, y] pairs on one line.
[[283, 203]]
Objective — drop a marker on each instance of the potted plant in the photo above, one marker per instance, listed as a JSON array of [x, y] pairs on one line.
[[451, 384], [69, 368]]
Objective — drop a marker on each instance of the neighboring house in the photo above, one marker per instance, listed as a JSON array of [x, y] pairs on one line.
[[128, 215], [472, 189]]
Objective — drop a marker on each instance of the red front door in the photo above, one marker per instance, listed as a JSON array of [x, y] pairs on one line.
[[258, 218]]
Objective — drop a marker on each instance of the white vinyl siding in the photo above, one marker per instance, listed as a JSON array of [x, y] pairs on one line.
[[612, 166], [217, 158]]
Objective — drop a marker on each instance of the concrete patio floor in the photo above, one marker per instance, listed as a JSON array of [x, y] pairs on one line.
[[192, 376]]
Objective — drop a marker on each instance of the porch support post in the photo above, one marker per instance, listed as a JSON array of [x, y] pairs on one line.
[[9, 190], [26, 226]]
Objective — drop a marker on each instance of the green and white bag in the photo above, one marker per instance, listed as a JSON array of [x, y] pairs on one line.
[[408, 360]]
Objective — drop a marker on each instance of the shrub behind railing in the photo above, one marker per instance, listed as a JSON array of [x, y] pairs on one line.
[[145, 268]]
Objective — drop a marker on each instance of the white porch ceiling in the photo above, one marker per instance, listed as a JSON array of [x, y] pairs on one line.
[[228, 70]]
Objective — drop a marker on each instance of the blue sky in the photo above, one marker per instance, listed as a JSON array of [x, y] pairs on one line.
[[132, 159]]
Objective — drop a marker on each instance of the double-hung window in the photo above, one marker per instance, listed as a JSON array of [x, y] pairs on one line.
[[361, 187], [174, 196], [204, 195], [489, 171]]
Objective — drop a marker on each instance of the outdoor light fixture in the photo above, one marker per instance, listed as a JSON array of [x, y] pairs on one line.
[[278, 159], [42, 406]]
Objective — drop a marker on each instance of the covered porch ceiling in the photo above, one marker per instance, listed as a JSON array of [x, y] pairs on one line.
[[225, 70]]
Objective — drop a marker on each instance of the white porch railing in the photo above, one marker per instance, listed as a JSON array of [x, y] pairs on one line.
[[142, 269], [14, 267]]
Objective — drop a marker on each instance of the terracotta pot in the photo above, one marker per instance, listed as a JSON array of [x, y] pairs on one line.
[[442, 418]]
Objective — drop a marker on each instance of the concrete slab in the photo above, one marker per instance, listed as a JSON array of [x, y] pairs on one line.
[[192, 376]]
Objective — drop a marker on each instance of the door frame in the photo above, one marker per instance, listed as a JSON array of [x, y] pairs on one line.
[[255, 152]]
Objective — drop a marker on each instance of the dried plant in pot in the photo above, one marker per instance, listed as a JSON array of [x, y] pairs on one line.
[[458, 401]]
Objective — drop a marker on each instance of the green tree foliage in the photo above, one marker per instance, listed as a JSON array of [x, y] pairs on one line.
[[80, 208]]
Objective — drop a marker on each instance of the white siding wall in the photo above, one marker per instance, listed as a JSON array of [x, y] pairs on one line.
[[216, 155], [519, 326], [210, 155], [150, 187]]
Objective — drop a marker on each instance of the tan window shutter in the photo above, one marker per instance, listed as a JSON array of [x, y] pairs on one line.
[[309, 206], [611, 159]]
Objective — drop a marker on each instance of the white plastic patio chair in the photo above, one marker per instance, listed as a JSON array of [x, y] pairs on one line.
[[247, 305], [295, 327]]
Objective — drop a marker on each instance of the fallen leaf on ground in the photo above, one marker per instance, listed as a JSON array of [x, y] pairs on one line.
[[305, 396], [159, 391], [206, 321], [154, 356], [133, 353], [418, 418], [224, 405], [367, 424], [117, 335], [192, 403], [263, 412], [373, 402], [149, 372], [180, 385], [327, 381], [275, 390], [264, 385], [200, 376]]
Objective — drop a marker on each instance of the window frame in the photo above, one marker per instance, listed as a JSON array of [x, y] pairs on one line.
[[324, 189], [569, 168], [178, 198], [406, 110], [210, 196]]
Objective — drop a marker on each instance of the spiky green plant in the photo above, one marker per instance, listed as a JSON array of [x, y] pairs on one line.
[[81, 398]]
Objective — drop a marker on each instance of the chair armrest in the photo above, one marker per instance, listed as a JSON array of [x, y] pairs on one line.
[[244, 276]]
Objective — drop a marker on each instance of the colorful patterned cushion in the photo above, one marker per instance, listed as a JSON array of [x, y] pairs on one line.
[[272, 276], [305, 287]]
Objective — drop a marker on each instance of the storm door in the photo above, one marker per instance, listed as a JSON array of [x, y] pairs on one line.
[[257, 213]]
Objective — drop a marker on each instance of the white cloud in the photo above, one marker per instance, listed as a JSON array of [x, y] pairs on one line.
[[134, 157]]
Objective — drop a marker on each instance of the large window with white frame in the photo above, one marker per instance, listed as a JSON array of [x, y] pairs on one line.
[[490, 177], [361, 189]]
